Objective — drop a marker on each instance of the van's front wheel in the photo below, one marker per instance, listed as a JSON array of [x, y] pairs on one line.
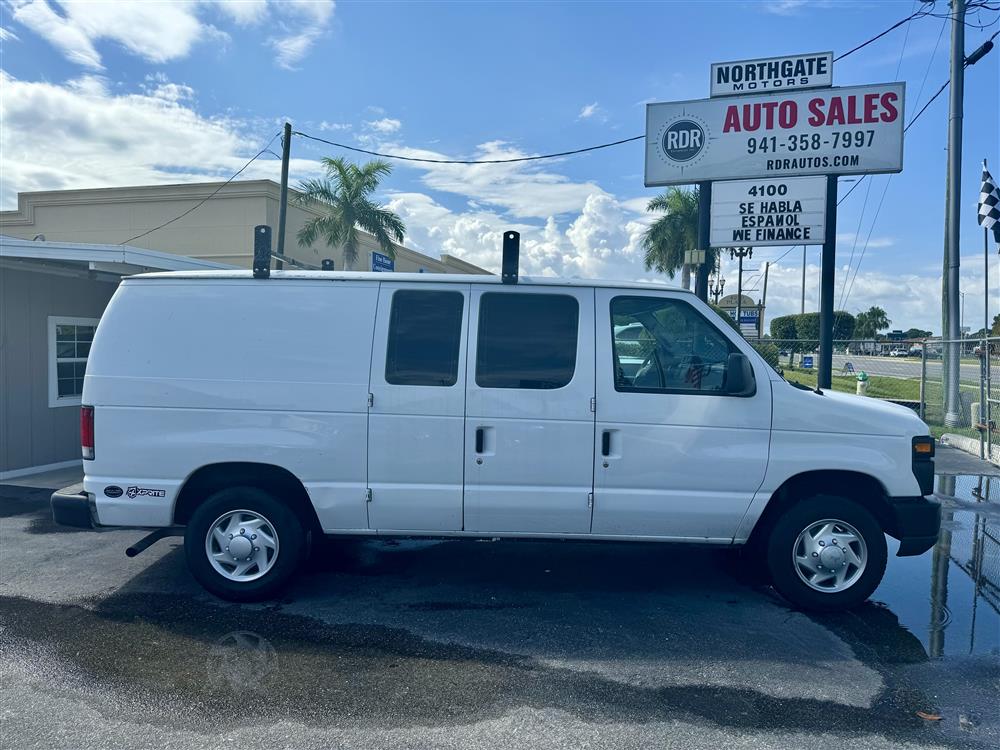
[[826, 553], [243, 545]]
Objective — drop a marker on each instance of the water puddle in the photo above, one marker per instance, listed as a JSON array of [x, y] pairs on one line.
[[949, 598]]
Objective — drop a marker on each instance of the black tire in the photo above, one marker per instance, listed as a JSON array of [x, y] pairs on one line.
[[285, 523], [781, 544]]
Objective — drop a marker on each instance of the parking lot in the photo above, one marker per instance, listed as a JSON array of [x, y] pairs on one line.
[[467, 644]]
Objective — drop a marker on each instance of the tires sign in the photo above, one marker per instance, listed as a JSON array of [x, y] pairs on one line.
[[848, 130], [787, 211]]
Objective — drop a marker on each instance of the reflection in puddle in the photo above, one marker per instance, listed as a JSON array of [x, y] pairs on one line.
[[239, 660], [951, 597]]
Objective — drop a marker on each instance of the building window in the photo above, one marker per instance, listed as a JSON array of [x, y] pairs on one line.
[[69, 347], [526, 340], [425, 338]]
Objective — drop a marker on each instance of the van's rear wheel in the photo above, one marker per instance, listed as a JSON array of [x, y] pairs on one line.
[[826, 553], [242, 544]]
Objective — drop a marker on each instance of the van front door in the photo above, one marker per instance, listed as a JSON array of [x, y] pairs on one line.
[[417, 411], [529, 428], [676, 456]]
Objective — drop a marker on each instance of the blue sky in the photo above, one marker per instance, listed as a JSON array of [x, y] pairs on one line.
[[97, 94]]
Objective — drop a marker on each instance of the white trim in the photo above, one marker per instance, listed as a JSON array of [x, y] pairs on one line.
[[55, 400], [29, 470], [81, 252]]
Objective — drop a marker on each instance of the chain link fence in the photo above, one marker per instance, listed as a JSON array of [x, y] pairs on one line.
[[910, 374]]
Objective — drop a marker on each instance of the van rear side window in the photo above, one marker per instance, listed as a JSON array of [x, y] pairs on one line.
[[425, 337], [526, 340]]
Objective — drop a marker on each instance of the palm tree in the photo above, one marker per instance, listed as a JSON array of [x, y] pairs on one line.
[[869, 323], [667, 238], [344, 194]]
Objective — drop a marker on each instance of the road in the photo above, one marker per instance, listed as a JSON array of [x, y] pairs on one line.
[[902, 367], [468, 644]]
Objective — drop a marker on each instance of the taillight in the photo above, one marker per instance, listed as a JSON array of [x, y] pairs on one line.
[[87, 431]]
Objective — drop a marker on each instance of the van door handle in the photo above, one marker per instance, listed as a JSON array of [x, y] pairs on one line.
[[606, 443], [480, 439]]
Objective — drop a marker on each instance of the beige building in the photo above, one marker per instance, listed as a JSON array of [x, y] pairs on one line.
[[219, 231]]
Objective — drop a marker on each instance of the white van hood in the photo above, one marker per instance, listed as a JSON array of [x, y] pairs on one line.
[[801, 410]]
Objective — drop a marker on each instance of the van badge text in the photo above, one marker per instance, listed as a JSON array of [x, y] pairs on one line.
[[134, 492]]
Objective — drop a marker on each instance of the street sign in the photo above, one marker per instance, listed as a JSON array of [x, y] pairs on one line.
[[787, 211], [849, 130], [807, 362], [382, 262], [767, 74]]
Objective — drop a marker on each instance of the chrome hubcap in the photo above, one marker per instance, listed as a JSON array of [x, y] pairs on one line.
[[830, 555], [241, 545]]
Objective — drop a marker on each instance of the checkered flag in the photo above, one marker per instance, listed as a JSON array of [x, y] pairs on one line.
[[989, 204]]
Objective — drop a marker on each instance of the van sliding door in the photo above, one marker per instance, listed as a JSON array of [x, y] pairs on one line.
[[416, 417], [529, 428]]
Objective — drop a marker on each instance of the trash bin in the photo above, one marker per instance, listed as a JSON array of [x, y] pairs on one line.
[[862, 383]]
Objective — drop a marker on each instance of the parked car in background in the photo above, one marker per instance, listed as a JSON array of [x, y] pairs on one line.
[[250, 414]]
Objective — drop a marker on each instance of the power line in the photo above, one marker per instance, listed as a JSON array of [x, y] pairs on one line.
[[209, 196], [468, 161], [912, 16]]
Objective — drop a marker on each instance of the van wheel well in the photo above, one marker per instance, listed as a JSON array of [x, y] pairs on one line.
[[861, 488], [279, 482]]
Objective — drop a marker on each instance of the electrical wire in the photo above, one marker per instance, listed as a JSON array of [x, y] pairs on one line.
[[209, 196], [468, 161]]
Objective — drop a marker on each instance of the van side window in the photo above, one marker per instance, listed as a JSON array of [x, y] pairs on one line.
[[526, 340], [425, 337], [666, 346]]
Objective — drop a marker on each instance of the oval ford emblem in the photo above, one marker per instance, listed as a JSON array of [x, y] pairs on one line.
[[113, 491]]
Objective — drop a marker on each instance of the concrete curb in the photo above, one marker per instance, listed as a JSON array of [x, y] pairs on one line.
[[969, 445]]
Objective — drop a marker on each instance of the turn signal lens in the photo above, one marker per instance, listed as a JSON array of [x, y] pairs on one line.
[[923, 447]]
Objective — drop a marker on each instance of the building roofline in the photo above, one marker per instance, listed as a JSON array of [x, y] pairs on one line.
[[82, 252]]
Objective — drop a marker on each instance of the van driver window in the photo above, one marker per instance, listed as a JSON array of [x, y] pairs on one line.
[[526, 340], [425, 337], [666, 346]]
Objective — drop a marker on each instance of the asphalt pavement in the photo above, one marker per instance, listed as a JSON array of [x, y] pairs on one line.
[[483, 644], [902, 367]]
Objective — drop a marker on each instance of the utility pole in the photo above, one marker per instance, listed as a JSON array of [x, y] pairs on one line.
[[286, 148], [828, 265], [953, 205], [802, 310], [704, 230], [763, 303], [741, 253]]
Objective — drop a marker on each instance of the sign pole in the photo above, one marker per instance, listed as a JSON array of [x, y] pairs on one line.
[[704, 231], [829, 263]]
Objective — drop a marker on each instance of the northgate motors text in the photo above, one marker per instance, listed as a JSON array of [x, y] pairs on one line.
[[869, 109]]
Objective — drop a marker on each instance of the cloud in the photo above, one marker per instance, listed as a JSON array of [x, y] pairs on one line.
[[784, 7], [83, 135], [588, 111], [524, 189], [164, 30], [324, 125], [301, 23], [384, 125], [154, 30], [6, 35]]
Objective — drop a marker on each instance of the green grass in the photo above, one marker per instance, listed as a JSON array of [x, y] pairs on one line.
[[903, 389]]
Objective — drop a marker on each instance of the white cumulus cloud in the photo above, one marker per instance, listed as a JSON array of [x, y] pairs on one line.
[[384, 125]]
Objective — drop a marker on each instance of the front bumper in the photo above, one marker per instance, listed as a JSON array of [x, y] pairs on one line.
[[915, 523], [71, 506]]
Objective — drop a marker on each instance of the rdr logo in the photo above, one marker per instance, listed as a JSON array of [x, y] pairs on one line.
[[683, 140]]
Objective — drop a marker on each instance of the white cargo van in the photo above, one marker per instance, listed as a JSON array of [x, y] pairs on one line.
[[257, 412]]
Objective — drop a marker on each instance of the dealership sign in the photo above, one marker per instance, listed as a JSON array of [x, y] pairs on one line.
[[788, 211], [769, 74], [848, 130]]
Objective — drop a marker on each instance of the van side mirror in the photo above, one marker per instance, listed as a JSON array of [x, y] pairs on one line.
[[740, 380]]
